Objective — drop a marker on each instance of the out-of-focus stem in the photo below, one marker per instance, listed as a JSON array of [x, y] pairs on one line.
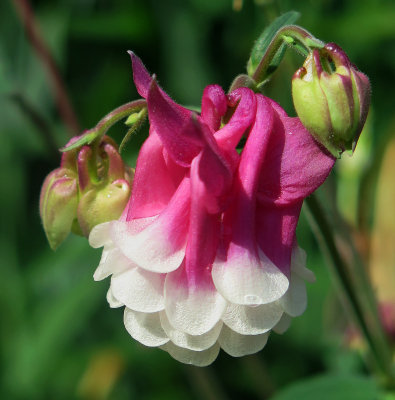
[[63, 103], [353, 290]]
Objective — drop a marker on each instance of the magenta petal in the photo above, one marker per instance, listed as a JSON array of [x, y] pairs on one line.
[[298, 165], [153, 185], [142, 78], [160, 245], [214, 106], [244, 100], [276, 232], [245, 275], [255, 150], [172, 123]]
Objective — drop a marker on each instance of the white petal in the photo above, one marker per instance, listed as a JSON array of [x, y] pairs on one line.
[[112, 301], [100, 235], [145, 328], [298, 265], [238, 345], [150, 248], [139, 290], [249, 320], [247, 280], [191, 342], [192, 310], [112, 262], [197, 358], [283, 324], [294, 302]]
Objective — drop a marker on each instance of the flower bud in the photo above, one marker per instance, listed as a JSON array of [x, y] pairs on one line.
[[104, 198], [91, 186], [331, 98], [58, 202]]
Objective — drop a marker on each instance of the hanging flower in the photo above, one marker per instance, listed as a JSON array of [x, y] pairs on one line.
[[204, 255]]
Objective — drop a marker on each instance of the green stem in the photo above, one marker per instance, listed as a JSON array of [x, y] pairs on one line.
[[96, 133], [116, 115], [365, 317], [291, 34]]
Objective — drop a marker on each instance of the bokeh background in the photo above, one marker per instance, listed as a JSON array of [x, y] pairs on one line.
[[58, 337]]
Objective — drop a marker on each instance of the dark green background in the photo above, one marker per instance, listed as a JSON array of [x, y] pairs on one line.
[[58, 337]]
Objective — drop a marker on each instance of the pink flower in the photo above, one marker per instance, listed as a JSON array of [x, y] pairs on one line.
[[204, 255]]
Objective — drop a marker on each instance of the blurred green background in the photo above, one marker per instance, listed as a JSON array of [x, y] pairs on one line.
[[58, 337]]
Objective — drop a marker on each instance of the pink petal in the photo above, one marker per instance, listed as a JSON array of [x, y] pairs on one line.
[[142, 78], [172, 124], [298, 165], [160, 246], [276, 232], [243, 100], [153, 185], [214, 106], [246, 279], [246, 276]]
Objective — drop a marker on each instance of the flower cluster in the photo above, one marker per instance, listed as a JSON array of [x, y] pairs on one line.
[[91, 186], [204, 255]]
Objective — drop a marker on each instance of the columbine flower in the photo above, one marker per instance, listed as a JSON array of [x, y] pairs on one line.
[[204, 255]]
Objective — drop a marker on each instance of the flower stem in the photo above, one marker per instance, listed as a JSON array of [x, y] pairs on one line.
[[59, 91], [119, 113], [290, 34], [358, 291], [96, 133]]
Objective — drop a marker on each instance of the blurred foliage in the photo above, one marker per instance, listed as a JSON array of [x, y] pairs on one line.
[[58, 337]]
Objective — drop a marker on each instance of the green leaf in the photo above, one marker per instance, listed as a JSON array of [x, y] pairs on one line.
[[265, 39], [329, 387]]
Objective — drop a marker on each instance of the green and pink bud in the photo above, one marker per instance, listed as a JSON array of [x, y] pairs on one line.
[[91, 186], [59, 201], [331, 98], [102, 197]]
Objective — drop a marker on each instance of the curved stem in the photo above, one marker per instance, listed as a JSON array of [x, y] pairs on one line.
[[63, 102], [365, 317], [116, 115], [106, 123], [287, 34]]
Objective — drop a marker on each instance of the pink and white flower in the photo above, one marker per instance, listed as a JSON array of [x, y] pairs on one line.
[[205, 255]]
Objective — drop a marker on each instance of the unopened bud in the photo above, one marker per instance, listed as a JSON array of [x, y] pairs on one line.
[[331, 98], [104, 198], [59, 201], [91, 186]]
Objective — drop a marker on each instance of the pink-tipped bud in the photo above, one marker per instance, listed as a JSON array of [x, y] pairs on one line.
[[59, 201], [104, 199], [331, 98], [92, 186]]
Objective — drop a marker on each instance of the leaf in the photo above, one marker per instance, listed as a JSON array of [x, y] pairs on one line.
[[265, 39], [329, 387]]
